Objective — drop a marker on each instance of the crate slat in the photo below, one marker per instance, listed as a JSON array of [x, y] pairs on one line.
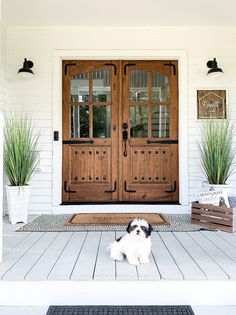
[[212, 220], [215, 217], [212, 213], [213, 226], [212, 207]]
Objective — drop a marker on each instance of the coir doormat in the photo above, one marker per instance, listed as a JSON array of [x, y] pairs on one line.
[[115, 218], [121, 310]]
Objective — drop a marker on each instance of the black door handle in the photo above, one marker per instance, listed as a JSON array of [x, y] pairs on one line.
[[125, 138]]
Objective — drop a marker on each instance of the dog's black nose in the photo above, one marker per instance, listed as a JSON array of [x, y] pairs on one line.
[[138, 231]]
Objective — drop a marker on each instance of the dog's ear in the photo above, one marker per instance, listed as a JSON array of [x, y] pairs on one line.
[[129, 226], [150, 229]]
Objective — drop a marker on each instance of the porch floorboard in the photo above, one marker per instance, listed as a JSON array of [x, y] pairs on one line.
[[83, 256]]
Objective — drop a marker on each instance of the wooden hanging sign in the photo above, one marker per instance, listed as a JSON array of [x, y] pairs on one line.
[[211, 104]]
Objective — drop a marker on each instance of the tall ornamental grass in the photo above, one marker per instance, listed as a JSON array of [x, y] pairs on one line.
[[20, 156], [217, 152]]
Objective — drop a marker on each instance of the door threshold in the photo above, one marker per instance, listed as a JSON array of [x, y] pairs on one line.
[[68, 203]]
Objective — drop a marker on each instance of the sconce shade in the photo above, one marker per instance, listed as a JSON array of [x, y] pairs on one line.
[[26, 71], [214, 70]]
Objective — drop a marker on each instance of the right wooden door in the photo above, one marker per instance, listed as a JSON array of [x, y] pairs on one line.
[[149, 131]]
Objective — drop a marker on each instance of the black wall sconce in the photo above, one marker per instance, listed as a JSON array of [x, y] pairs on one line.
[[26, 71], [214, 70]]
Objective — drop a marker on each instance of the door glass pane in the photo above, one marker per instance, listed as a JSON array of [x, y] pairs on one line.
[[101, 121], [160, 87], [102, 86], [80, 121], [80, 87], [161, 121], [138, 86], [138, 121]]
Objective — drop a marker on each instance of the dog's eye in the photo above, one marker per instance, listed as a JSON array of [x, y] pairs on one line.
[[144, 228], [133, 227]]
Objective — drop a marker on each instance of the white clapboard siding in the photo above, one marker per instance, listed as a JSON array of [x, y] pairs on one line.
[[207, 265], [22, 266], [64, 266], [11, 241], [185, 262], [16, 253], [85, 265], [40, 199], [41, 183], [228, 249], [105, 266], [37, 208], [42, 268], [165, 262], [216, 254], [125, 271]]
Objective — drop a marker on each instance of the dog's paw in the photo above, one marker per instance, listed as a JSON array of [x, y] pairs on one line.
[[144, 260], [118, 258], [134, 262]]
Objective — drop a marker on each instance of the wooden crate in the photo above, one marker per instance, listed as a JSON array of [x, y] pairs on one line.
[[220, 218]]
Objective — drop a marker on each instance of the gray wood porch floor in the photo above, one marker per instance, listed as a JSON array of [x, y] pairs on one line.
[[83, 256]]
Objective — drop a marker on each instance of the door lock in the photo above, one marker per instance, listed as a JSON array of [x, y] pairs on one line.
[[125, 126]]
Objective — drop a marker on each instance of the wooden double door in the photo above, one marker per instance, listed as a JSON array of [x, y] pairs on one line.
[[120, 131]]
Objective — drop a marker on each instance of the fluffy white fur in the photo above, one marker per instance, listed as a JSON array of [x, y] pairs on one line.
[[135, 245]]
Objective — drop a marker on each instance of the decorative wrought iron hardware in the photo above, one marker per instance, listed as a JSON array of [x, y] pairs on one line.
[[68, 190], [111, 64], [172, 190], [68, 65], [171, 65], [78, 141], [163, 141], [128, 190], [112, 190], [128, 65]]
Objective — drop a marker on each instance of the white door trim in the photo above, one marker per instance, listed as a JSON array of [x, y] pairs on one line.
[[117, 54]]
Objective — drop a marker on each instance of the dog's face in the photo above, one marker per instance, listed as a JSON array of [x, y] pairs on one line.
[[139, 227]]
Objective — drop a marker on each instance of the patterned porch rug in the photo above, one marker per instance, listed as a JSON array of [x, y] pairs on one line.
[[121, 310], [55, 223]]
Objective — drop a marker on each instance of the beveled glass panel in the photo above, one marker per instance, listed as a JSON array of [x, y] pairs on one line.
[[80, 87], [101, 121], [102, 86], [160, 87], [138, 121], [138, 86], [80, 121], [161, 121]]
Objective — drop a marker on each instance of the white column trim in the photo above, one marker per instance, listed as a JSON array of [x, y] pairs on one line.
[[1, 183], [116, 54]]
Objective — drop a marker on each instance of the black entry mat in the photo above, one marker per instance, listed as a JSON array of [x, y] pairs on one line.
[[121, 310]]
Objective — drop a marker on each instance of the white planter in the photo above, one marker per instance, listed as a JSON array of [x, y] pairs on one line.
[[18, 203], [222, 187]]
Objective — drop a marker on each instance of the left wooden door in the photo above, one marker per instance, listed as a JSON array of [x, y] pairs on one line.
[[90, 127]]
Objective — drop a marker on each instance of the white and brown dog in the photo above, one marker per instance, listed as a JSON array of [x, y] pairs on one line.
[[135, 245]]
